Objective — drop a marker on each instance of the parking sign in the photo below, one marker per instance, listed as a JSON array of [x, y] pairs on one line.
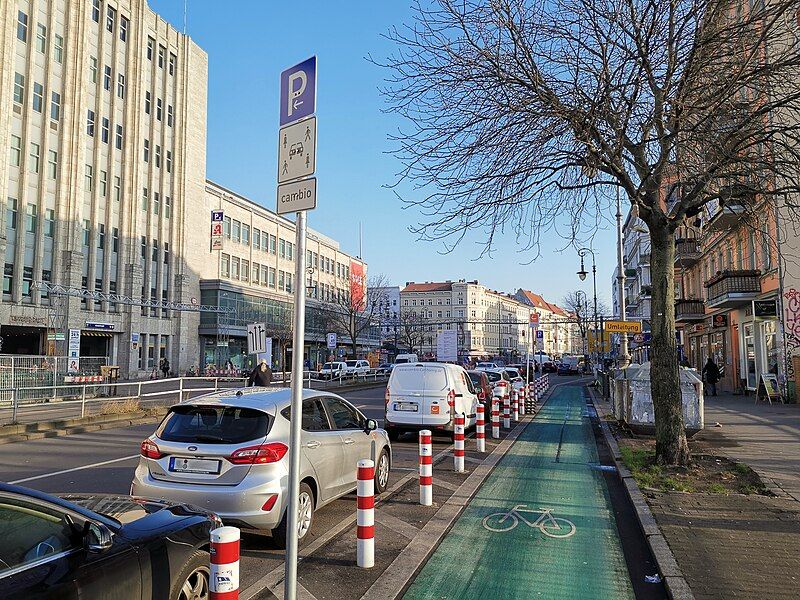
[[331, 341]]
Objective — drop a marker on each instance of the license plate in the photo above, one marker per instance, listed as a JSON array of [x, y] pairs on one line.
[[194, 465], [405, 406]]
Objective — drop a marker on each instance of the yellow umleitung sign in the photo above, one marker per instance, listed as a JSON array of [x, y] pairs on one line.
[[622, 327]]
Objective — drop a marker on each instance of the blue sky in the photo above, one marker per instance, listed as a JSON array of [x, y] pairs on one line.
[[249, 42]]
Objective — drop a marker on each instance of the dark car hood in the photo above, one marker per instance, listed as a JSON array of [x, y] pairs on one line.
[[127, 509]]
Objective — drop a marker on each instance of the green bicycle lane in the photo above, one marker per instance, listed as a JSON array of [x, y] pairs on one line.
[[548, 467]]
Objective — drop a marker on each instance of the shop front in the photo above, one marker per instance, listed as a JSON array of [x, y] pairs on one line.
[[711, 338], [760, 342]]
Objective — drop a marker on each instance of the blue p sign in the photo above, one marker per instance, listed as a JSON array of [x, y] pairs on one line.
[[299, 91]]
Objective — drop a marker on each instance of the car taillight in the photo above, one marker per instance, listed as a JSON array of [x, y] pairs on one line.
[[259, 455], [149, 449], [386, 396], [270, 503]]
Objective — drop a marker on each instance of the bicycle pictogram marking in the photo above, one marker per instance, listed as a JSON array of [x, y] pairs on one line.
[[554, 527]]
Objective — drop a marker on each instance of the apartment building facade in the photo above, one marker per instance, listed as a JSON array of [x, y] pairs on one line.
[[103, 165], [560, 333]]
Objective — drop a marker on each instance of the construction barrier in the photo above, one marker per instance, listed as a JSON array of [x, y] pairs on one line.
[[495, 418], [224, 569], [458, 444], [365, 517], [425, 468], [480, 434]]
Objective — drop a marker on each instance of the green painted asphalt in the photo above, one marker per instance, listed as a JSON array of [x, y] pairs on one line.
[[546, 468]]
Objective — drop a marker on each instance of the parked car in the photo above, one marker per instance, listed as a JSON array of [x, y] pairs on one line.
[[354, 368], [227, 452], [498, 378], [569, 365], [483, 389], [332, 370], [385, 368], [482, 366], [402, 359], [549, 367], [428, 396], [93, 546]]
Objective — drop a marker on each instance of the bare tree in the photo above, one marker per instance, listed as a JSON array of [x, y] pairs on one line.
[[412, 330], [529, 115], [355, 311]]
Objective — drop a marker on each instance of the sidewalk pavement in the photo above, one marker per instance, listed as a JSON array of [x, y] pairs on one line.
[[763, 436]]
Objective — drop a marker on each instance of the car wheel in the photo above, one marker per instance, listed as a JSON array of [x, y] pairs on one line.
[[192, 580], [305, 510], [382, 467]]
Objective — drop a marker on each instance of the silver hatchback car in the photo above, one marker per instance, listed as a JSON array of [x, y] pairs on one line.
[[227, 452]]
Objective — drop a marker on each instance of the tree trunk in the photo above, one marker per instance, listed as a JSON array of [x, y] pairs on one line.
[[671, 446]]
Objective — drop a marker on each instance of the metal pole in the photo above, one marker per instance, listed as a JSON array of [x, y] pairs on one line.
[[290, 568], [624, 358], [180, 390], [83, 401], [14, 405]]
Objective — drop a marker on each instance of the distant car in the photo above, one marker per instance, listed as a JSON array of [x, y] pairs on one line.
[[385, 368], [402, 359], [332, 370], [569, 365], [93, 546], [227, 452], [482, 366], [483, 389], [353, 368], [549, 367]]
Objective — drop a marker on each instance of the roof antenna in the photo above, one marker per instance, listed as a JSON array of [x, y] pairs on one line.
[[185, 10]]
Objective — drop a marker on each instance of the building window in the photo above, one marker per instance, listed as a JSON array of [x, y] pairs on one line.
[[123, 28], [271, 278], [58, 49], [11, 214], [147, 103], [170, 116], [49, 222], [765, 251], [41, 38], [169, 161], [22, 26], [86, 232], [161, 51], [245, 234], [282, 280], [111, 15], [105, 130], [147, 151], [34, 158], [155, 251], [19, 88], [158, 156], [167, 207], [172, 61], [93, 69], [282, 248], [38, 96], [150, 43], [101, 236], [272, 244], [121, 86], [118, 141], [226, 227], [145, 203], [16, 150], [143, 247], [225, 265], [159, 108], [52, 164], [89, 177], [55, 106], [103, 183], [234, 267], [31, 219], [237, 230], [115, 239], [107, 78], [117, 188], [156, 202], [90, 123]]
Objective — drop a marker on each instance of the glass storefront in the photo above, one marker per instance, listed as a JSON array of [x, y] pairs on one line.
[[750, 356]]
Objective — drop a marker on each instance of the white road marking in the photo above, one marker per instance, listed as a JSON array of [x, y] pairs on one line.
[[93, 465]]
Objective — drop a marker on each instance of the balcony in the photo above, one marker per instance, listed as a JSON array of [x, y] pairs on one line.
[[687, 311], [721, 217], [729, 289], [687, 252]]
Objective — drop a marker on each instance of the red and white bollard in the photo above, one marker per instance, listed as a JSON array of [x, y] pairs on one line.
[[365, 550], [224, 569], [506, 412], [495, 418], [522, 400], [516, 406], [458, 444], [480, 435], [425, 468]]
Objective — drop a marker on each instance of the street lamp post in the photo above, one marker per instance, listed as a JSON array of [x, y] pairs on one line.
[[624, 357], [582, 274], [585, 302]]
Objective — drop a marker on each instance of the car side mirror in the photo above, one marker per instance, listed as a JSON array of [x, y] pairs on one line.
[[370, 425], [96, 537]]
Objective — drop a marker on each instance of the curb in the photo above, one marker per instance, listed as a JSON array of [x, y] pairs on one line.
[[674, 581], [51, 429]]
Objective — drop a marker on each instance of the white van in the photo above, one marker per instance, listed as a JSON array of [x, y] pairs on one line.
[[402, 359], [428, 396]]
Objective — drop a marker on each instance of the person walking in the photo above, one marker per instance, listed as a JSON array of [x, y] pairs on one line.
[[165, 367], [711, 375], [261, 375]]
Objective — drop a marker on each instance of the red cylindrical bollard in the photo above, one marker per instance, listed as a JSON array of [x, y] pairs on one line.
[[425, 468], [480, 435], [495, 417], [506, 412], [458, 444], [224, 569], [522, 400], [516, 406], [365, 550]]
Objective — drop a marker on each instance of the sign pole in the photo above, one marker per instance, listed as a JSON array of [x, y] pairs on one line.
[[290, 570]]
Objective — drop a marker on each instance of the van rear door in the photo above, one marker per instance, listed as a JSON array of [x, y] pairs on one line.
[[406, 395], [436, 408]]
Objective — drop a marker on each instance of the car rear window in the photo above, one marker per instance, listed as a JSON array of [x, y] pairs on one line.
[[421, 378], [351, 363], [493, 377], [476, 378], [213, 424]]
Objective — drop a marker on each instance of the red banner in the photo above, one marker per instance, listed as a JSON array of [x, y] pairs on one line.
[[358, 286]]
